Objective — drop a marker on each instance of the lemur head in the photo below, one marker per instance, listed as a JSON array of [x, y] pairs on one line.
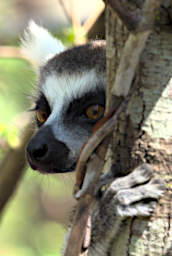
[[70, 98]]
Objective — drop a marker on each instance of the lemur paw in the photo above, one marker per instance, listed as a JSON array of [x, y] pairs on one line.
[[139, 209], [137, 193]]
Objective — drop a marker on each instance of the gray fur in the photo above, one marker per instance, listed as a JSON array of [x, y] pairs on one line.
[[77, 60], [123, 199]]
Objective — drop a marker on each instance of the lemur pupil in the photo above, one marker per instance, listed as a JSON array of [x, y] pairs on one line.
[[41, 116], [94, 112]]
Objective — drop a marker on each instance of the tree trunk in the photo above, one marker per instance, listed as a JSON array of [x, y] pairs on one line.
[[144, 134]]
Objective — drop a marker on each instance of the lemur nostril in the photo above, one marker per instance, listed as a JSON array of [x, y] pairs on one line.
[[40, 152]]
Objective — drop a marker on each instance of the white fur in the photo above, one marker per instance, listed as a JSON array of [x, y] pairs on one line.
[[60, 90], [57, 89], [39, 45]]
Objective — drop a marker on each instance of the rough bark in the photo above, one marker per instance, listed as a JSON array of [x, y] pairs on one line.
[[144, 134]]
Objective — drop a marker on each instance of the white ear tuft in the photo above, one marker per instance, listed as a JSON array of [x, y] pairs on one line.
[[39, 45]]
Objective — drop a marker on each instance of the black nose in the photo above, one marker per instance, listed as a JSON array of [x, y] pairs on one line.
[[45, 151], [37, 151]]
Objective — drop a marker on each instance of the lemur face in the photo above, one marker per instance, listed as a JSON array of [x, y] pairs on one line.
[[70, 99]]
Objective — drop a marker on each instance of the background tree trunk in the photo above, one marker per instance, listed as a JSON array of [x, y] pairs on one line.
[[144, 134]]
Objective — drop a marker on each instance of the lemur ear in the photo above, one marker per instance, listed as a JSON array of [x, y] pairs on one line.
[[39, 45]]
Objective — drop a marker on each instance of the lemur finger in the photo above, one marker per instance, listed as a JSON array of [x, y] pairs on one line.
[[139, 209], [141, 174], [152, 190]]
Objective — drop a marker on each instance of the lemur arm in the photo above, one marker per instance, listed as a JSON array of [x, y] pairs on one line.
[[123, 198]]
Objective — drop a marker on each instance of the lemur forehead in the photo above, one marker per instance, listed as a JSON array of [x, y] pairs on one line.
[[78, 59], [65, 88]]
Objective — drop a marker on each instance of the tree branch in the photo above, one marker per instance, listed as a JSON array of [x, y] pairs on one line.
[[65, 11], [13, 166], [138, 20], [129, 18], [92, 19], [133, 47], [84, 207], [11, 52], [97, 30], [128, 63]]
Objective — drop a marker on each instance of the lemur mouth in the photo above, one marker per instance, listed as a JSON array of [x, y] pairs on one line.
[[52, 170]]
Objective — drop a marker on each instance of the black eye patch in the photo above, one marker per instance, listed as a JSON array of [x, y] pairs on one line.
[[41, 104], [78, 106]]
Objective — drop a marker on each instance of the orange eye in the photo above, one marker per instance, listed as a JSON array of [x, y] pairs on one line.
[[41, 116], [94, 112]]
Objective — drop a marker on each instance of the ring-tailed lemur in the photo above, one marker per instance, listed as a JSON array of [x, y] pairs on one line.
[[70, 100]]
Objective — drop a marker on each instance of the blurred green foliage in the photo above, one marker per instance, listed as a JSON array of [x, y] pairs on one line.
[[16, 81], [33, 222], [66, 36], [25, 230]]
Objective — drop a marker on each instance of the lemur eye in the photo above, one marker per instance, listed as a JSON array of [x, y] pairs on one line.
[[41, 116], [94, 112]]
